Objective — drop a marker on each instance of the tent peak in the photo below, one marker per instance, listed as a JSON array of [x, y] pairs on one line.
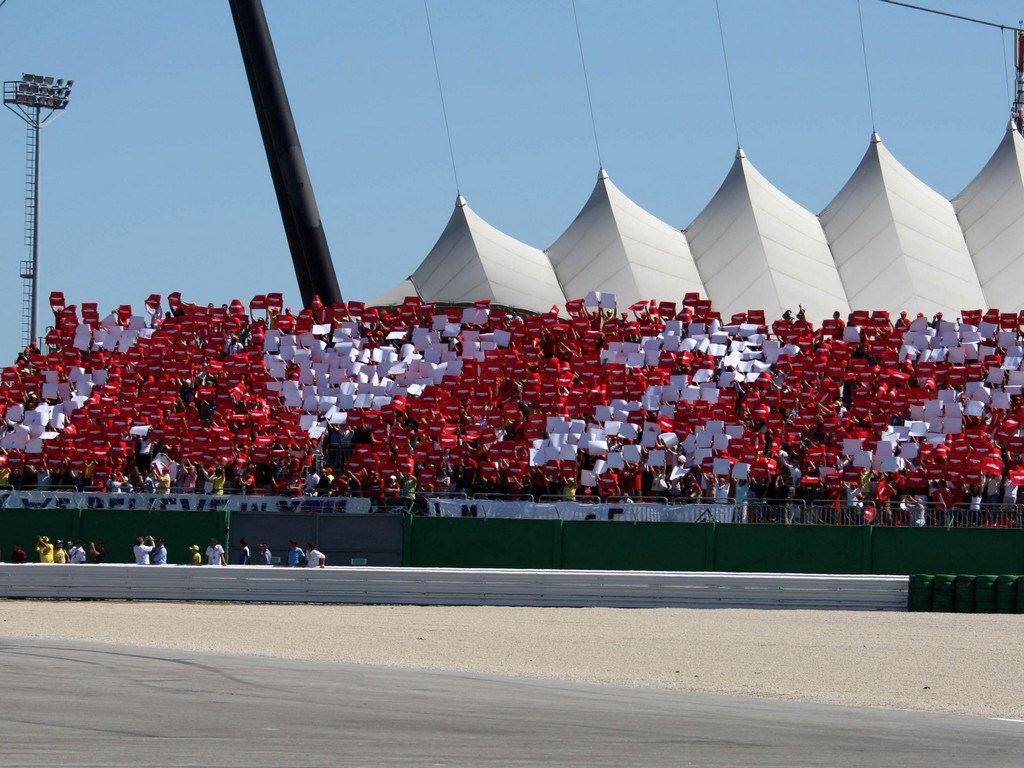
[[1011, 126], [740, 154], [875, 138], [602, 175], [460, 202]]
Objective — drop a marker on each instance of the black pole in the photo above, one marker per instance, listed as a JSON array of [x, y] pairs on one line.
[[307, 242]]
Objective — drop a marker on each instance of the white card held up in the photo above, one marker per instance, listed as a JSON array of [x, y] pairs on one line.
[[631, 453], [650, 436], [628, 431], [656, 459]]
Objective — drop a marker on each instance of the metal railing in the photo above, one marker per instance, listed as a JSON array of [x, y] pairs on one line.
[[772, 511], [909, 512], [968, 515], [504, 497]]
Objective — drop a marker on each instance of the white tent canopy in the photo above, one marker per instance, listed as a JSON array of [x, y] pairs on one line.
[[897, 243], [473, 261], [615, 246], [395, 295], [755, 248], [886, 241], [991, 213]]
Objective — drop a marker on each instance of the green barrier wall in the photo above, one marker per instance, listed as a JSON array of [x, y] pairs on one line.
[[792, 549], [504, 543], [592, 545], [117, 528], [455, 542], [938, 550], [179, 529], [598, 545], [23, 526]]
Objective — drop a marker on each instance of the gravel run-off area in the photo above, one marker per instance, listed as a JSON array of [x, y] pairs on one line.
[[971, 664]]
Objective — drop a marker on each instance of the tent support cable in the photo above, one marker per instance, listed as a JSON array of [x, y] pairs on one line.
[[867, 76], [728, 77], [440, 91], [586, 82]]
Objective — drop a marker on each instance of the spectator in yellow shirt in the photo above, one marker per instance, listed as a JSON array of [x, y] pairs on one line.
[[45, 549], [197, 559], [217, 481], [60, 555]]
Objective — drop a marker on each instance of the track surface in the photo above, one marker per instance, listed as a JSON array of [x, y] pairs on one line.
[[78, 704]]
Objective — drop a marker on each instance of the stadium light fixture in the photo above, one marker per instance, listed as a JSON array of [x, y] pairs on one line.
[[37, 100]]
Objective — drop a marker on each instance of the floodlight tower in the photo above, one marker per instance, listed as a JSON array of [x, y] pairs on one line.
[[38, 100]]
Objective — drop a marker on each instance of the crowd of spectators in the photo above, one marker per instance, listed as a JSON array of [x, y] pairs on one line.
[[662, 399]]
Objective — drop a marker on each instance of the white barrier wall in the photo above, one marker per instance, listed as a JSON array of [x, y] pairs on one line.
[[453, 586]]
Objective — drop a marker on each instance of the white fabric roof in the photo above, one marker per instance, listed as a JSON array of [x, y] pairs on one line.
[[897, 243], [473, 261], [757, 249], [394, 295], [616, 246], [991, 214], [886, 241]]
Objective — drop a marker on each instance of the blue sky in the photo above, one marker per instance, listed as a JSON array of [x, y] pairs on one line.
[[155, 179]]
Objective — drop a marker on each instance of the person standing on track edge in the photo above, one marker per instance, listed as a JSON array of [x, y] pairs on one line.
[[296, 557], [45, 549], [159, 555], [143, 546], [215, 554], [314, 557]]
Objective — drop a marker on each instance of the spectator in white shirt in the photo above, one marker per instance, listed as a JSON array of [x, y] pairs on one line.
[[76, 555], [215, 554], [314, 557], [142, 548]]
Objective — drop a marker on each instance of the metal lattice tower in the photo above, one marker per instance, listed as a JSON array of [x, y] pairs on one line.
[[37, 100], [28, 267]]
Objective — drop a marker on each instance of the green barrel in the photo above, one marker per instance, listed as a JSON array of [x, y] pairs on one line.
[[919, 593], [942, 593], [985, 594], [964, 588], [1006, 593]]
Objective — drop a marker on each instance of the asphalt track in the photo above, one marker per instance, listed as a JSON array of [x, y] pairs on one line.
[[106, 705]]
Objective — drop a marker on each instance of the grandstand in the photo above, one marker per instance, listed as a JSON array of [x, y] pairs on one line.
[[592, 400]]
